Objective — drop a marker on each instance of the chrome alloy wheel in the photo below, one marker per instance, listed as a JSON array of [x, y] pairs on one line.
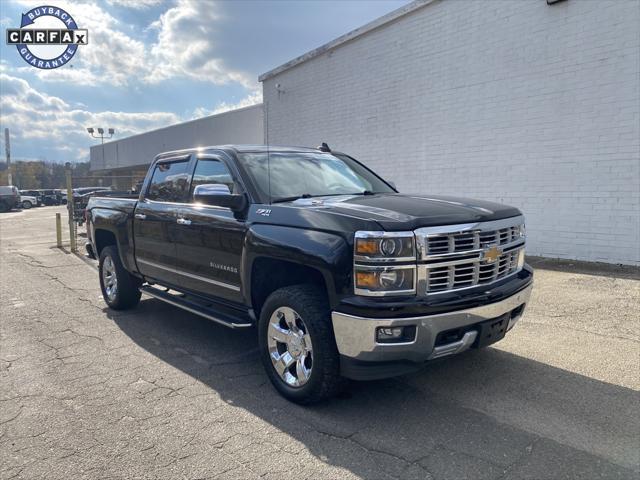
[[109, 278], [290, 347]]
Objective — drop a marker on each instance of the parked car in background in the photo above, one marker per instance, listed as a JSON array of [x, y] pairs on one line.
[[51, 197], [62, 195], [9, 197], [34, 198], [28, 201]]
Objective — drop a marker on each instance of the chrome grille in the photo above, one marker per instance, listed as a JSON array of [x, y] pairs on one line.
[[470, 274], [463, 256], [438, 244]]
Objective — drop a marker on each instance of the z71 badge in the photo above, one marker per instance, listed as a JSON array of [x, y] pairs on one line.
[[265, 212]]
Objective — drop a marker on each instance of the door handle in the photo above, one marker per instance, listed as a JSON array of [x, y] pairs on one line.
[[140, 216], [183, 221]]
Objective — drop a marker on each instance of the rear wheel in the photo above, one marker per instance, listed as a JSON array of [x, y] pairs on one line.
[[120, 289], [27, 204], [297, 345]]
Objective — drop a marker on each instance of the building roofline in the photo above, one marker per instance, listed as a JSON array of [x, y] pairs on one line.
[[180, 124], [347, 37]]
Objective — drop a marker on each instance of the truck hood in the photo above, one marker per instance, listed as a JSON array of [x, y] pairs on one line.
[[405, 211]]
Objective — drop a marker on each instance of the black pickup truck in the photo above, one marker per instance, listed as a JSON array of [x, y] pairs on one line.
[[343, 276]]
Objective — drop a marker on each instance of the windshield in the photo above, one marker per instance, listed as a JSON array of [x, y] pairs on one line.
[[310, 174]]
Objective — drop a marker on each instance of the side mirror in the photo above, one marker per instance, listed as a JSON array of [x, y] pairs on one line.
[[219, 195]]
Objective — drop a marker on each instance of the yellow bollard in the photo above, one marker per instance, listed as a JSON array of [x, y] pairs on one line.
[[58, 230]]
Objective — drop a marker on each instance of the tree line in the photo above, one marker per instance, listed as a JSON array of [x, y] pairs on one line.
[[47, 175]]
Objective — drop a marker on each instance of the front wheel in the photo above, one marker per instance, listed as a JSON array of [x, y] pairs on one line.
[[27, 204], [120, 289], [297, 345]]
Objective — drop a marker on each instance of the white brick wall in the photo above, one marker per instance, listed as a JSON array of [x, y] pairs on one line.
[[532, 105]]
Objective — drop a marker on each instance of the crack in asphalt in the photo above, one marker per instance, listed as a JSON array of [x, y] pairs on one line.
[[94, 397]]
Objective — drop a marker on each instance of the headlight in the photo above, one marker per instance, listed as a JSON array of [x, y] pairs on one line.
[[373, 254], [384, 246], [382, 280]]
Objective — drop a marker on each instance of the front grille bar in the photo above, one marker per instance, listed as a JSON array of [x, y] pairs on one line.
[[453, 258]]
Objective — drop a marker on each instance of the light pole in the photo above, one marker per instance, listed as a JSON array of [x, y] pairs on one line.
[[100, 134], [7, 149]]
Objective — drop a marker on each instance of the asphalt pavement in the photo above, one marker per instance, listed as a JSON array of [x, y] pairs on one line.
[[155, 392]]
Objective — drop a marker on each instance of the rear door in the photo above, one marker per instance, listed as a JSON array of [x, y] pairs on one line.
[[155, 219], [209, 240]]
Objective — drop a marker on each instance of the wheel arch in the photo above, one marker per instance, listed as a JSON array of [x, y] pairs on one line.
[[109, 227], [278, 256], [104, 238], [270, 274]]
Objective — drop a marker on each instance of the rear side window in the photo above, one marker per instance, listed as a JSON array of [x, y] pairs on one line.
[[170, 182], [212, 171]]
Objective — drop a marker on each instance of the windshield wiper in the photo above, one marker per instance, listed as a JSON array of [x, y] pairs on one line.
[[364, 192], [292, 198], [308, 195]]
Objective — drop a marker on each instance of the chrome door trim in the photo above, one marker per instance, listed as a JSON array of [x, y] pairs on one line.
[[190, 275]]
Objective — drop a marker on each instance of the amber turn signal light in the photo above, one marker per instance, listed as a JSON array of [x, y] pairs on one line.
[[367, 279], [365, 246]]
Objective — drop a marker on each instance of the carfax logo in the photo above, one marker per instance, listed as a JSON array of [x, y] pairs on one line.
[[48, 37]]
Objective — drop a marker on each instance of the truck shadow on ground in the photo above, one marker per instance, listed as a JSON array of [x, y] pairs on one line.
[[471, 416]]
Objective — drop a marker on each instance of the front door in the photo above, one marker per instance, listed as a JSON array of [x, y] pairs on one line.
[[155, 220], [210, 239]]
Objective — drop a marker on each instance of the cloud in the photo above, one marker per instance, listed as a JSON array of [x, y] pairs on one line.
[[135, 4], [252, 99], [182, 47], [185, 46], [34, 116]]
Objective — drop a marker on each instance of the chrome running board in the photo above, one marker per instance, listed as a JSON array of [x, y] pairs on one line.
[[196, 308]]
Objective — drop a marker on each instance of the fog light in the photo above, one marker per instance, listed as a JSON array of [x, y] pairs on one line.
[[395, 334], [389, 333]]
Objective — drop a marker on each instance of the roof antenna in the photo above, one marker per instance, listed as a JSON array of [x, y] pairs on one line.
[[324, 147]]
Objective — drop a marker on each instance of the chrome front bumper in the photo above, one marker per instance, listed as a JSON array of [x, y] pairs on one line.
[[356, 336]]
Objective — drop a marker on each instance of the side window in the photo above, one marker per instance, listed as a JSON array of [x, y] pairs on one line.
[[170, 182], [212, 171]]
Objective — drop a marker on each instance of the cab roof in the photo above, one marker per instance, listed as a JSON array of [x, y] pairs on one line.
[[234, 149]]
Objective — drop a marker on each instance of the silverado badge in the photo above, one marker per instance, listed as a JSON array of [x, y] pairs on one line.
[[491, 254]]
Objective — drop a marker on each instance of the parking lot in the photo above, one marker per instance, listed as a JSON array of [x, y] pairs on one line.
[[156, 392]]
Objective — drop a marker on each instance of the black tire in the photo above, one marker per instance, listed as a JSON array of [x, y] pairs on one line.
[[127, 292], [312, 307], [27, 204]]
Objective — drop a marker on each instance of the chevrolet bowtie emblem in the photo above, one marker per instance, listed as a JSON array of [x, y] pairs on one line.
[[492, 254]]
